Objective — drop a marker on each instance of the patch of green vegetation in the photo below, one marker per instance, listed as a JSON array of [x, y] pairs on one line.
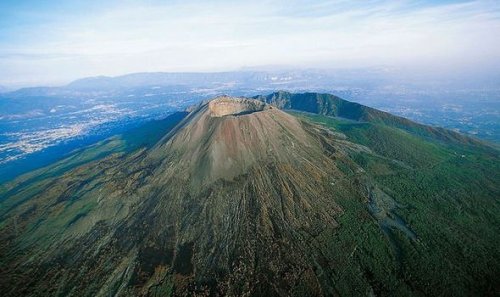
[[386, 141], [449, 195], [333, 106], [150, 133], [163, 289], [360, 248]]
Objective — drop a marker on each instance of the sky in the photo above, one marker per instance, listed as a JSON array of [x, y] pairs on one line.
[[50, 42]]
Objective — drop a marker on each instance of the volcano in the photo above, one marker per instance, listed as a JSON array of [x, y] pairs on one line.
[[240, 198]]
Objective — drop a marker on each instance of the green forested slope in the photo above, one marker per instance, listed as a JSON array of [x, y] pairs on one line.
[[448, 194], [331, 105]]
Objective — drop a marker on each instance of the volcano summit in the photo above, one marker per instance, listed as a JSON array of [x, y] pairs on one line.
[[242, 198], [223, 106]]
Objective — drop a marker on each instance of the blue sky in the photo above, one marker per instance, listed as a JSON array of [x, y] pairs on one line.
[[54, 42]]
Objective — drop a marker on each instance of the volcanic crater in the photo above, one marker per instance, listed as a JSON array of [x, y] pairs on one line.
[[228, 106]]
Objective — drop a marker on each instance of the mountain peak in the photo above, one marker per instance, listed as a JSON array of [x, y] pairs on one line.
[[226, 136], [225, 105]]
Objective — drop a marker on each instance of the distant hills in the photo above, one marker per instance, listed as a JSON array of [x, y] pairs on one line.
[[279, 195], [165, 78], [463, 104], [224, 80]]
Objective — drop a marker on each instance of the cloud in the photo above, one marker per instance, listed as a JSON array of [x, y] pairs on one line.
[[222, 35]]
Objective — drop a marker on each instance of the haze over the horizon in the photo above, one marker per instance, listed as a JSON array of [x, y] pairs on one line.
[[54, 41]]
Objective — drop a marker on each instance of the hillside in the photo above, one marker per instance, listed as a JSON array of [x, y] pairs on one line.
[[241, 198], [331, 105]]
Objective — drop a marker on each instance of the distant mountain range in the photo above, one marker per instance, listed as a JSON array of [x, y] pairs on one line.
[[278, 195], [196, 79], [467, 105]]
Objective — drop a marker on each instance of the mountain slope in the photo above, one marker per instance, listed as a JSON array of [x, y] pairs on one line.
[[331, 105], [449, 195], [241, 198], [232, 180]]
